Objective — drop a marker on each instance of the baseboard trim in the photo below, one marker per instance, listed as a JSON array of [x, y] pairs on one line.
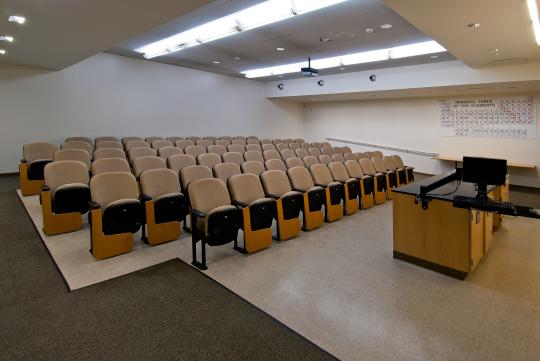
[[9, 174]]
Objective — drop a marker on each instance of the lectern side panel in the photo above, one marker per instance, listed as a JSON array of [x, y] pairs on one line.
[[439, 234]]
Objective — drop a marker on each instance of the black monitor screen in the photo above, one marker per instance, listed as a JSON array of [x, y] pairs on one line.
[[484, 170]]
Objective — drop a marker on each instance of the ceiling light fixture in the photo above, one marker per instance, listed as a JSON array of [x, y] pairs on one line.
[[17, 19], [386, 26], [265, 13], [433, 56], [535, 19], [2, 52], [7, 38], [280, 49], [428, 47], [216, 62], [369, 30], [236, 58]]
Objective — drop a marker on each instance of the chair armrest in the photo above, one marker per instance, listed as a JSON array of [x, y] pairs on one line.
[[23, 160], [45, 188], [94, 205], [145, 198], [197, 213], [239, 204]]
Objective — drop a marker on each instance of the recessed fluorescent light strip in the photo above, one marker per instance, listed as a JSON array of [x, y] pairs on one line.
[[533, 13], [250, 18], [428, 47]]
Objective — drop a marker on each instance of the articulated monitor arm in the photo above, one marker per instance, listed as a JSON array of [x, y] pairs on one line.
[[424, 190]]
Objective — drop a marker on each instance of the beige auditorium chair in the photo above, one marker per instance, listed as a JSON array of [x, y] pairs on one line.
[[325, 159], [338, 158], [129, 139], [135, 153], [301, 153], [165, 206], [349, 156], [226, 137], [287, 153], [80, 139], [78, 144], [316, 152], [275, 164], [224, 171], [108, 165], [216, 221], [166, 152], [173, 139], [108, 144], [391, 176], [160, 143], [271, 154], [253, 167], [239, 141], [149, 140], [379, 180], [35, 157], [277, 141], [253, 155], [136, 144], [282, 146], [409, 170], [143, 164], [268, 147], [106, 139], [116, 213], [299, 141], [289, 203], [233, 157], [294, 162], [193, 138], [351, 186], [294, 146], [180, 161], [109, 153], [73, 154], [195, 150], [216, 149], [313, 197], [223, 142], [208, 160], [327, 151], [401, 172], [184, 143], [305, 146], [288, 140], [346, 150], [326, 145], [366, 183], [258, 211], [238, 148], [334, 191], [266, 141], [253, 141], [317, 145], [310, 160], [192, 173], [210, 138], [65, 196], [256, 147], [204, 143], [377, 153]]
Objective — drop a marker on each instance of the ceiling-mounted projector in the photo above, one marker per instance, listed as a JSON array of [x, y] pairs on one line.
[[309, 71]]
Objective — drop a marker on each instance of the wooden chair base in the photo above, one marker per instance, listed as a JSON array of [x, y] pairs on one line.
[[29, 187], [158, 233], [58, 223], [105, 246], [312, 220], [255, 240], [287, 228]]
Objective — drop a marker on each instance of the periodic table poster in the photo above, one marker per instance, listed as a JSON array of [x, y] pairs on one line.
[[488, 117]]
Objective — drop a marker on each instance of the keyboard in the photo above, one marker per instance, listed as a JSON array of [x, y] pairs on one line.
[[484, 204]]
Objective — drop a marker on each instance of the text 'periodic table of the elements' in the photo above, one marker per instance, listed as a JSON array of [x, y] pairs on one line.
[[492, 117]]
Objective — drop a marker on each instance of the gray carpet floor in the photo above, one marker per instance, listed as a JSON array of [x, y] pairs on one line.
[[166, 312]]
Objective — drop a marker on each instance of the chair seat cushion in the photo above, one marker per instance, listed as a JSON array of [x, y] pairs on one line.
[[70, 198], [122, 216]]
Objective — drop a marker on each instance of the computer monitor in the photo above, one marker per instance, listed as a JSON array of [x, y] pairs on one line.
[[484, 171]]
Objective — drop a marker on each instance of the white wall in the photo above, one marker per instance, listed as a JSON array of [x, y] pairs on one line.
[[112, 95], [413, 124]]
